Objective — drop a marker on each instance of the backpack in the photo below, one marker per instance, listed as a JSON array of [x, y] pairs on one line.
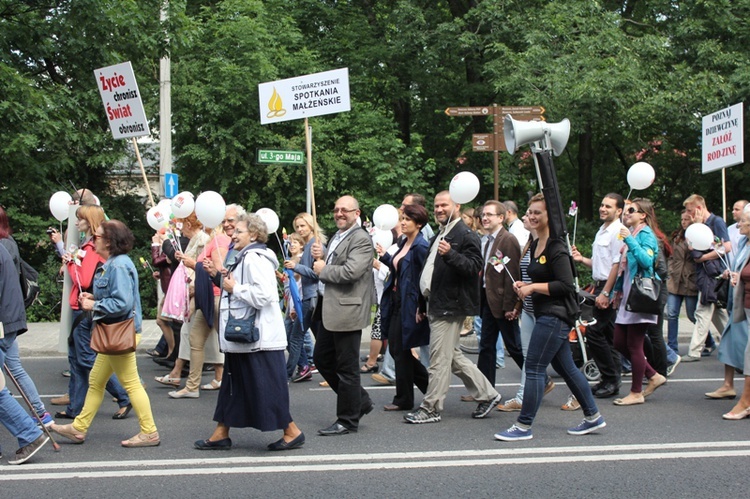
[[29, 283]]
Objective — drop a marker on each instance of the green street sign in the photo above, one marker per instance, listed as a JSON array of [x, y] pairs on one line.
[[283, 157]]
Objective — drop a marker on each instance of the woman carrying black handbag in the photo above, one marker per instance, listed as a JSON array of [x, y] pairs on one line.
[[636, 277]]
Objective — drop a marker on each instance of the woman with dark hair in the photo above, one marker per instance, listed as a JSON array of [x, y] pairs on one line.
[[115, 299], [254, 391], [640, 253], [81, 265], [9, 345], [553, 293], [654, 347], [681, 286], [399, 307]]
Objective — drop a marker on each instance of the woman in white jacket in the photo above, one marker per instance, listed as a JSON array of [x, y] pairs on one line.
[[254, 391]]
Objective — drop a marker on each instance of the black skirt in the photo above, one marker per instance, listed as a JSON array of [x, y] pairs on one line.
[[254, 392]]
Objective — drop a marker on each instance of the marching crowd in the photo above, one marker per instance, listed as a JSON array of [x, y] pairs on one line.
[[516, 284]]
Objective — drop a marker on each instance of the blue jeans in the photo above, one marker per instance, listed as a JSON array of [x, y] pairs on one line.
[[81, 359], [296, 338], [527, 327], [13, 363], [549, 344], [674, 304], [14, 418]]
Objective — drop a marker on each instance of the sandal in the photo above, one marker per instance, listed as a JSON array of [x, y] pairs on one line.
[[213, 385], [69, 432], [168, 380], [369, 369], [142, 440]]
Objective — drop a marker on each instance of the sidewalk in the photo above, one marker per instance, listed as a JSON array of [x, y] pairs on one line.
[[42, 338]]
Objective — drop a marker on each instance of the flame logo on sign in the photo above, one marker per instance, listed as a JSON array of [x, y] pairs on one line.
[[275, 106]]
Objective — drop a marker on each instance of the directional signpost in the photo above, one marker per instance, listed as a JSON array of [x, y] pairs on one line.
[[171, 185], [283, 157], [495, 141]]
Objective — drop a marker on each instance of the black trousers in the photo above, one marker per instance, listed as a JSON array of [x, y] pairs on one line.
[[409, 370], [600, 341], [491, 328], [336, 356], [654, 346]]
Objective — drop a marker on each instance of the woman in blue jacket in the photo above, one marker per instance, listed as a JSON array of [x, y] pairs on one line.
[[400, 304], [641, 250]]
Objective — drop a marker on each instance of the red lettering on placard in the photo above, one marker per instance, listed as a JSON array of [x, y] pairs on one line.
[[119, 112], [112, 83], [727, 137]]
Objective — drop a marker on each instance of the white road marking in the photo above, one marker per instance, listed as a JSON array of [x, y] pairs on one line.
[[379, 461]]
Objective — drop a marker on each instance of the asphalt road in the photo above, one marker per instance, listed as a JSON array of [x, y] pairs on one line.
[[675, 445]]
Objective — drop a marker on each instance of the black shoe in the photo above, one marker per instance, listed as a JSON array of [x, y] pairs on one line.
[[708, 351], [223, 444], [486, 407], [153, 352], [336, 429], [606, 390], [164, 362], [282, 445], [367, 410], [124, 414], [63, 415]]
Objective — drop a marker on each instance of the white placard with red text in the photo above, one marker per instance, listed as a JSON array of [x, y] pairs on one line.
[[122, 101], [723, 143]]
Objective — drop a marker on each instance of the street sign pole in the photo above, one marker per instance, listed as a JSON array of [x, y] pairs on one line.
[[495, 142], [496, 153]]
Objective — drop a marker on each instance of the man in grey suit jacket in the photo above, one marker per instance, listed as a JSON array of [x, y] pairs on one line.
[[343, 310]]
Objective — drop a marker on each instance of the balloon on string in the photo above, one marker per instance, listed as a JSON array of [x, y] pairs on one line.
[[210, 208], [699, 236], [151, 218], [59, 205], [464, 187], [183, 204], [385, 217], [641, 175], [270, 218], [382, 237]]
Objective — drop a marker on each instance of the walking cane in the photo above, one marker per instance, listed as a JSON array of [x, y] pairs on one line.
[[55, 445]]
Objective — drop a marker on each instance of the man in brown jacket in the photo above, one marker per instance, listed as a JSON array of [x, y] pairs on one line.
[[502, 256]]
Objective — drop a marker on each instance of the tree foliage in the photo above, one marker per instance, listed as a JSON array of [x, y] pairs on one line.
[[633, 76]]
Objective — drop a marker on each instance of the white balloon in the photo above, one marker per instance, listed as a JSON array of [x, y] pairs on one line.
[[59, 205], [151, 218], [163, 212], [96, 201], [640, 176], [183, 204], [210, 208], [382, 237], [699, 236], [385, 217], [270, 218], [464, 187]]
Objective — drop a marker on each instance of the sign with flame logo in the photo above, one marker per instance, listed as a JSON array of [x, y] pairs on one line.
[[304, 96]]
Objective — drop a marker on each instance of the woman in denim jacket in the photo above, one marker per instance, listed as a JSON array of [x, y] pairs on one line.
[[115, 299], [640, 252]]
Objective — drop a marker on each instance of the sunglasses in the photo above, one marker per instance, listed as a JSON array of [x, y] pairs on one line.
[[632, 210]]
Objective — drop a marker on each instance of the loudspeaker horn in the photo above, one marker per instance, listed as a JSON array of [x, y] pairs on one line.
[[552, 135]]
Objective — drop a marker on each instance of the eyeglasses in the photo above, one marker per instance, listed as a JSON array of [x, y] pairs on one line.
[[632, 210], [342, 210], [488, 215]]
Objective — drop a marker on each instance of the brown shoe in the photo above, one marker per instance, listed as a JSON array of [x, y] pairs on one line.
[[571, 405], [61, 400], [142, 440], [467, 398], [67, 431], [549, 387], [512, 405], [394, 407]]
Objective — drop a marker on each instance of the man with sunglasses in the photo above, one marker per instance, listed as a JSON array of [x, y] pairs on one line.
[[604, 263], [345, 297]]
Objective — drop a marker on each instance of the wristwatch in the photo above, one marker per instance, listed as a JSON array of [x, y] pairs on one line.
[[605, 293]]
